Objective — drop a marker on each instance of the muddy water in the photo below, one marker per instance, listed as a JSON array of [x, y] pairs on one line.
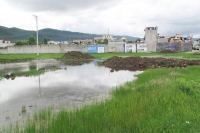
[[70, 86]]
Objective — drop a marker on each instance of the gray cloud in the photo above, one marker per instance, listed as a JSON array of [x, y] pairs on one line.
[[59, 5]]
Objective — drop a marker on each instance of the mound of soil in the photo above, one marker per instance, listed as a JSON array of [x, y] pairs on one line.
[[167, 51], [77, 55], [76, 58], [139, 63]]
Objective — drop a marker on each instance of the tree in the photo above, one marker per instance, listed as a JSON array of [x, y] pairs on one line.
[[45, 41], [124, 40], [98, 41], [130, 42], [138, 40], [31, 40], [21, 42], [105, 41]]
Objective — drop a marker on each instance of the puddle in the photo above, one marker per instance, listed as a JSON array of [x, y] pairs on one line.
[[70, 86]]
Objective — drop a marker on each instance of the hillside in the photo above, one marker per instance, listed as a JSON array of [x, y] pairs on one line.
[[14, 34]]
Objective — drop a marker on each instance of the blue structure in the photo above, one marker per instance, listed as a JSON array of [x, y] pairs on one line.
[[96, 49]]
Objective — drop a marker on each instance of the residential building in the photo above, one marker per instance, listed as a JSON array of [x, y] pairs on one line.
[[5, 43], [83, 42]]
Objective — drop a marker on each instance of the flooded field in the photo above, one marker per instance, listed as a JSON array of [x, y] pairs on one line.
[[67, 86]]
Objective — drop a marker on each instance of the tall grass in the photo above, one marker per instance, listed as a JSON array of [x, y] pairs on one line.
[[5, 58], [177, 54], [19, 57], [30, 56], [31, 72], [160, 100]]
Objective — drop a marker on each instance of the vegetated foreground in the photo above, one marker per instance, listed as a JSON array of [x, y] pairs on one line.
[[142, 63], [160, 100], [76, 58]]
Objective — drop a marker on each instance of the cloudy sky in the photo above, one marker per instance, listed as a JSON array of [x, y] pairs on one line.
[[121, 17]]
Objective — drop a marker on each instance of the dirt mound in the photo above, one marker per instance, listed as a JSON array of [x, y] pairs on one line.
[[139, 63], [77, 55], [167, 51], [76, 58]]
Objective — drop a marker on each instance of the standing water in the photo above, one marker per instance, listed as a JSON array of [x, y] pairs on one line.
[[68, 86]]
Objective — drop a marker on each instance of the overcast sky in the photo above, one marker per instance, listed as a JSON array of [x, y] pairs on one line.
[[121, 17]]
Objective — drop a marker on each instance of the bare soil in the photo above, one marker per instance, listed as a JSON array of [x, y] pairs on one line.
[[142, 63], [76, 58], [77, 55]]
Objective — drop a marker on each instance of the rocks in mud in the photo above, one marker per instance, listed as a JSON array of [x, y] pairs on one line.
[[142, 63]]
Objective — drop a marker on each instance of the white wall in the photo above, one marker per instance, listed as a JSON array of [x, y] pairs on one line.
[[141, 47]]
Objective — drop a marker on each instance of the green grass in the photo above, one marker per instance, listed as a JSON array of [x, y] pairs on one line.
[[178, 55], [160, 100], [16, 57], [30, 56], [32, 72], [20, 57]]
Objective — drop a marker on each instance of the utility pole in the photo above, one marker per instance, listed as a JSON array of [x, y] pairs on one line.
[[36, 18]]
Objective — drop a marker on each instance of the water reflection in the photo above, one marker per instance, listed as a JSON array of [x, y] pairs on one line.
[[69, 87]]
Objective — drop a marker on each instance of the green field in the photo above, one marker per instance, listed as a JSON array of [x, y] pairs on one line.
[[21, 57], [29, 56], [185, 55], [160, 100]]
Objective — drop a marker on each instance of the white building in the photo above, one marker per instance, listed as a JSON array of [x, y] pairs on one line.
[[5, 43], [57, 42]]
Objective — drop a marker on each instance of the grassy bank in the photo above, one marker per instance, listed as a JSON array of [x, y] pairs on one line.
[[20, 57], [178, 55], [160, 100], [31, 72]]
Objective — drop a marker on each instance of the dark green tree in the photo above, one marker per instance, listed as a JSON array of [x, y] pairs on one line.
[[105, 41], [31, 40], [98, 42], [138, 40], [21, 42], [45, 41]]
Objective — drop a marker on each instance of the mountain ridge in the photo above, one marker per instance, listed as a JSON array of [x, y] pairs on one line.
[[15, 33]]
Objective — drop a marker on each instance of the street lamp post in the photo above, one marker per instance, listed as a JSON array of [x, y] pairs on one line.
[[36, 18]]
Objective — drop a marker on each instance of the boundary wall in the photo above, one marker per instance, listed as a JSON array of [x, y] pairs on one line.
[[175, 46], [61, 48]]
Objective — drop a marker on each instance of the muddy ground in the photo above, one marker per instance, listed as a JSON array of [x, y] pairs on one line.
[[76, 58], [77, 55], [142, 63]]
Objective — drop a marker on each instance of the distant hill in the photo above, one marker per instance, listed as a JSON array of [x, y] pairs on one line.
[[14, 34]]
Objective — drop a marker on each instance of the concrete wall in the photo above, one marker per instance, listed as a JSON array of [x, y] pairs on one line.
[[3, 51], [162, 40], [141, 47], [151, 38], [115, 47], [175, 46], [46, 49]]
